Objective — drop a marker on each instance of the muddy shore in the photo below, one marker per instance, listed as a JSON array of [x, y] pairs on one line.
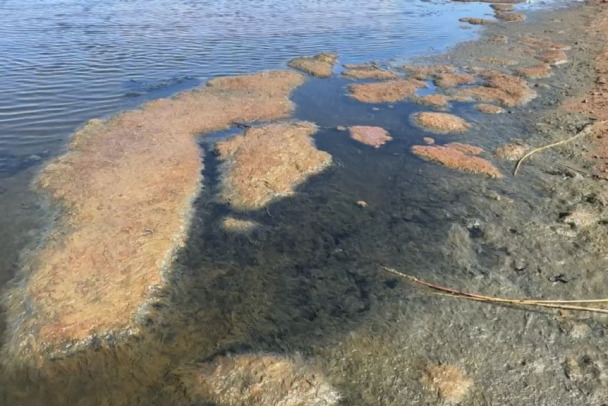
[[317, 292]]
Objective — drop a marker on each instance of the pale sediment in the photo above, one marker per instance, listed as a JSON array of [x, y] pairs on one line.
[[424, 72], [320, 65], [125, 187], [266, 163], [372, 136], [458, 156], [257, 380], [448, 381], [238, 225], [442, 123], [387, 91]]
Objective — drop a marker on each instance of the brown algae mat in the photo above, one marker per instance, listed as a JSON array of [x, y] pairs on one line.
[[125, 188], [499, 88], [386, 92], [424, 72], [462, 157], [438, 101], [489, 108], [266, 163], [372, 136], [257, 380], [442, 123], [370, 73], [320, 65]]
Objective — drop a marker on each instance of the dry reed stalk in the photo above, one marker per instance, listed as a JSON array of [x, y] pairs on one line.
[[587, 129], [554, 304]]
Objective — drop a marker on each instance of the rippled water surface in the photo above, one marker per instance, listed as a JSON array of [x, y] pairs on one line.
[[66, 61]]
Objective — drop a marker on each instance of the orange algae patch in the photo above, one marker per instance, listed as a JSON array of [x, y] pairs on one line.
[[509, 17], [439, 101], [454, 79], [539, 71], [476, 21], [448, 381], [257, 380], [266, 163], [498, 61], [372, 136], [370, 73], [553, 56], [424, 72], [500, 88], [442, 123], [386, 92], [320, 65], [457, 156], [126, 187], [502, 7], [542, 44], [489, 108]]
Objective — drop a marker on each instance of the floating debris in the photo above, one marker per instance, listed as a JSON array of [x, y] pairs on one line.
[[489, 108], [266, 163], [448, 381], [320, 65], [386, 92], [457, 156], [442, 123], [428, 140], [362, 203], [372, 136], [257, 380]]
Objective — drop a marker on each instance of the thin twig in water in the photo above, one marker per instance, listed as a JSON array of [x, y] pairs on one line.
[[587, 129], [554, 304]]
